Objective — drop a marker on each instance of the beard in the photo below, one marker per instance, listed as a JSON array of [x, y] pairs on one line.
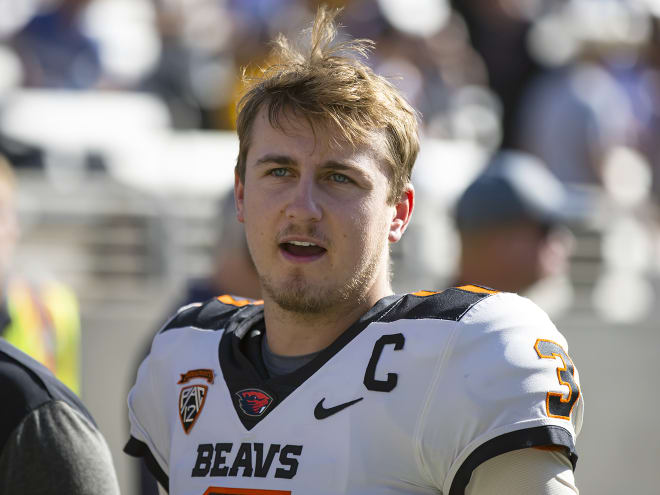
[[298, 295]]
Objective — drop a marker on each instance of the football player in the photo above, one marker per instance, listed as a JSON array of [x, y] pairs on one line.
[[333, 384]]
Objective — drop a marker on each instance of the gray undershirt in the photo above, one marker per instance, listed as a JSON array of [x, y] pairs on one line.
[[281, 365]]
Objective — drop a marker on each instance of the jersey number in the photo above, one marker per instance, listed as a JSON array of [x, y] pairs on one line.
[[558, 405]]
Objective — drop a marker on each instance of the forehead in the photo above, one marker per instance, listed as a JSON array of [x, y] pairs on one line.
[[298, 135]]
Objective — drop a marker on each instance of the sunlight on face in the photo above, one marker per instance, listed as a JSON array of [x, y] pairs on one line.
[[317, 219]]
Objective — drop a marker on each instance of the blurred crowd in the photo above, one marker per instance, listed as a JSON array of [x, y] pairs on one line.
[[571, 81], [561, 97], [568, 80], [575, 83]]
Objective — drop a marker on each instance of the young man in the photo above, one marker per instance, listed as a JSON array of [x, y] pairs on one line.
[[333, 384]]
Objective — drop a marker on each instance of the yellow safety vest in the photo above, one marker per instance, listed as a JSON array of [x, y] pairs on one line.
[[45, 324]]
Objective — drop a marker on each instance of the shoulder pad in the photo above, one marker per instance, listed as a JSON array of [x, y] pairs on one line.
[[210, 315], [449, 304]]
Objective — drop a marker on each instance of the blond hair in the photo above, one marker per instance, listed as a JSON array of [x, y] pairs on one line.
[[330, 87]]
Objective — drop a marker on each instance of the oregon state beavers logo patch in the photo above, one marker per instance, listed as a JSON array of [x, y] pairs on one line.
[[191, 403], [254, 402]]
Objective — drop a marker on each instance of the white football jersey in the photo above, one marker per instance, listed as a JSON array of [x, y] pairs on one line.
[[409, 400]]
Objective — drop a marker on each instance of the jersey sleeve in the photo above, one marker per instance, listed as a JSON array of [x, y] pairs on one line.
[[506, 383], [524, 471], [151, 398]]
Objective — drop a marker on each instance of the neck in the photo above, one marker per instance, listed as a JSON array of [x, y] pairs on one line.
[[294, 334]]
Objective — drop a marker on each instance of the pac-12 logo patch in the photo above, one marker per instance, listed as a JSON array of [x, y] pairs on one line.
[[191, 403], [254, 402]]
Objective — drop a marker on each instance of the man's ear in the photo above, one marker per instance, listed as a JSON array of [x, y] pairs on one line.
[[402, 213], [239, 197]]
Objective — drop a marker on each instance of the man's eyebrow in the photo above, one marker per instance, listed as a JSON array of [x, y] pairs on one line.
[[279, 159], [350, 166], [337, 165]]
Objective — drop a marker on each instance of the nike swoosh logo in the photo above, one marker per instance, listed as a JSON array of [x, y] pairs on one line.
[[321, 412]]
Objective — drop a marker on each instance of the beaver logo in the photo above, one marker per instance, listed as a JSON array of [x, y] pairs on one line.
[[254, 402]]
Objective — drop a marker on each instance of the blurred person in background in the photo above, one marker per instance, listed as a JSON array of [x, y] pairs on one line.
[[41, 318], [54, 49], [498, 32], [512, 225], [195, 71], [49, 442], [595, 94], [232, 273]]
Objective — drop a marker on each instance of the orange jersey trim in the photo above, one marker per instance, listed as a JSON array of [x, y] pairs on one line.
[[424, 293], [469, 288], [227, 299], [477, 289]]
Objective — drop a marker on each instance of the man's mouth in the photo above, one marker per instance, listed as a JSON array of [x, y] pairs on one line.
[[302, 249]]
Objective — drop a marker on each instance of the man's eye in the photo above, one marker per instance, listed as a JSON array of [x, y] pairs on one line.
[[340, 178], [279, 172]]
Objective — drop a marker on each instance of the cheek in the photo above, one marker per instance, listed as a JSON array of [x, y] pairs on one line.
[[554, 257], [255, 225], [257, 210], [523, 243], [256, 234], [372, 227]]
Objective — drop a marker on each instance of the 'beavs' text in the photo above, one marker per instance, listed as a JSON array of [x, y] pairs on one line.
[[249, 459]]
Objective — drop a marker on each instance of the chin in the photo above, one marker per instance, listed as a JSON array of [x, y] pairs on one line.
[[295, 292], [300, 296], [298, 300]]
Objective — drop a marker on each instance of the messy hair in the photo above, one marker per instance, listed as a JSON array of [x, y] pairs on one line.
[[327, 84]]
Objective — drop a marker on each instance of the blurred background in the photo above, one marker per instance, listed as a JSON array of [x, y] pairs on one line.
[[117, 117]]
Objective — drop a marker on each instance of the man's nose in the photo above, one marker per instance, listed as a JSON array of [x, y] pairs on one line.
[[304, 202]]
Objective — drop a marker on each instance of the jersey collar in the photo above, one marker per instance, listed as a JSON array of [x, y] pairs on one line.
[[245, 374]]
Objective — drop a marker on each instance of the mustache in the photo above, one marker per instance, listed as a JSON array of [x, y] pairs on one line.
[[304, 231]]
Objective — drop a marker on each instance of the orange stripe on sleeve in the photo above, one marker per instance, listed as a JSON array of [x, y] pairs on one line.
[[227, 299], [477, 289], [424, 293]]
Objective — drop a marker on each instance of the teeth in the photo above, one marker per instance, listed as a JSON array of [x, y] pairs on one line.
[[302, 243]]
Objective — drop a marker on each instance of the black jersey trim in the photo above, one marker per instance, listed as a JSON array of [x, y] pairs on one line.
[[240, 350], [450, 304], [209, 315], [242, 364], [539, 436], [136, 448]]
